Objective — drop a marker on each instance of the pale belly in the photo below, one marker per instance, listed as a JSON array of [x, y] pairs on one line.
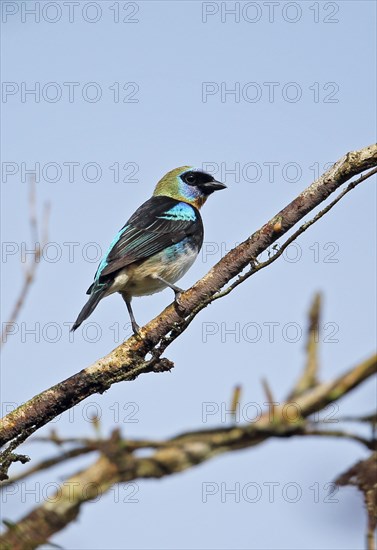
[[170, 264]]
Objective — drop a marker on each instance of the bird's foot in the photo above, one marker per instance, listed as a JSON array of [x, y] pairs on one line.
[[177, 301], [135, 328]]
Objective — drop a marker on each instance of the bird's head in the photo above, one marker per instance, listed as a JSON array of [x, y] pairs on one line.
[[188, 184]]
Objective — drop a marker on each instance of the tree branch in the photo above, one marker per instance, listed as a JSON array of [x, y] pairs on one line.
[[363, 475], [129, 360], [309, 379]]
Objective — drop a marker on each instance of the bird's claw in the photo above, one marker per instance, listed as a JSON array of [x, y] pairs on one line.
[[135, 328], [177, 301]]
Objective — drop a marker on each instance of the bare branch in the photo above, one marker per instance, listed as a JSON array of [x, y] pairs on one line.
[[49, 463], [31, 268], [309, 376], [363, 475], [236, 398]]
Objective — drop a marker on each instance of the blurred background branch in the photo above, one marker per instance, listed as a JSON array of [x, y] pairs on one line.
[[38, 238], [363, 475]]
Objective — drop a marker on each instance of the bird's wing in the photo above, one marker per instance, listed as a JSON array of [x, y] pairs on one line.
[[157, 224]]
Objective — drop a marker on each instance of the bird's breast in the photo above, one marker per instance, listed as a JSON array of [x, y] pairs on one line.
[[169, 264]]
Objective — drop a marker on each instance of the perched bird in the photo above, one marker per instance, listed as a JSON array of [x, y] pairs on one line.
[[157, 245]]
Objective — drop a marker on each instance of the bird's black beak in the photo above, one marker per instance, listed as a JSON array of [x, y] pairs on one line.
[[211, 186]]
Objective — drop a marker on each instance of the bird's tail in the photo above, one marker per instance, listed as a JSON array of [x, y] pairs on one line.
[[90, 305]]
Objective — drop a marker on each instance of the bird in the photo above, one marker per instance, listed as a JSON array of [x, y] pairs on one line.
[[157, 245]]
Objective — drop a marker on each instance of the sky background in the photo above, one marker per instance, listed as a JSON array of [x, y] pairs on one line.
[[151, 90]]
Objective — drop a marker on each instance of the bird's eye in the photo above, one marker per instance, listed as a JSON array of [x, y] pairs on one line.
[[190, 178]]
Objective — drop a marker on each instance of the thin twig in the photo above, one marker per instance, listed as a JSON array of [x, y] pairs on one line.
[[309, 379], [31, 267], [369, 443]]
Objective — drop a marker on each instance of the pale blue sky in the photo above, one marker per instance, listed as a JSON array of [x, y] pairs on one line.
[[168, 54]]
